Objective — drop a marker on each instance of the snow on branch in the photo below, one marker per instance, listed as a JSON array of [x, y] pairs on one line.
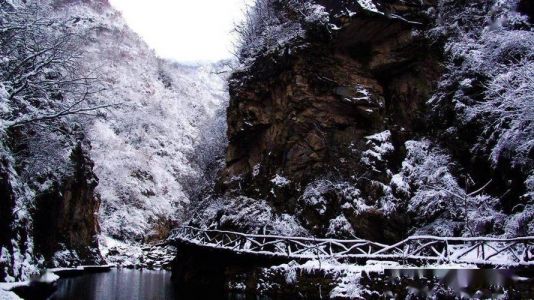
[[40, 77], [271, 25]]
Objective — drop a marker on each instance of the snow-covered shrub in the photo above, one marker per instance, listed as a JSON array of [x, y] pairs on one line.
[[379, 149], [484, 102], [428, 173], [318, 196], [510, 101], [340, 227], [506, 59], [488, 83], [247, 215], [322, 201], [435, 200], [326, 206], [269, 27], [522, 223]]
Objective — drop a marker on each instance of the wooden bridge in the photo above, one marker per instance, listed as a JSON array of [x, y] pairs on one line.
[[485, 251]]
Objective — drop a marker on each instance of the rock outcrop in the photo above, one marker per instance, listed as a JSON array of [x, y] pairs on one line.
[[65, 217], [57, 227], [381, 119], [307, 114]]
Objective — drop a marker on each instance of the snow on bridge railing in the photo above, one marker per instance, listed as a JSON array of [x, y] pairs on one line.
[[472, 250]]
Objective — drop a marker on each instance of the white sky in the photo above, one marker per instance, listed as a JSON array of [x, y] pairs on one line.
[[185, 30]]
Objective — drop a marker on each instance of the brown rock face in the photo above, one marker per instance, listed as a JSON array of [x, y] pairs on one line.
[[305, 115], [65, 217], [62, 218]]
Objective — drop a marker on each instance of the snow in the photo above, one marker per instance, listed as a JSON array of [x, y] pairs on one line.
[[128, 254], [49, 277], [368, 5], [256, 170], [121, 253], [399, 185], [146, 149], [7, 295], [362, 91], [340, 225], [315, 13], [4, 107], [280, 181], [268, 30], [380, 137], [249, 215], [380, 147]]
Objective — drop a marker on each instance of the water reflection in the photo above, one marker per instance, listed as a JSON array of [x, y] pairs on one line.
[[118, 284], [125, 284]]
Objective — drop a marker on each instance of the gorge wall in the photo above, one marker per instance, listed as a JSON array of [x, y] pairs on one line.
[[52, 225], [308, 113], [378, 120], [66, 216]]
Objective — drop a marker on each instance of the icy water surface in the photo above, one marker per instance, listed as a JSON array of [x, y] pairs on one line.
[[117, 284]]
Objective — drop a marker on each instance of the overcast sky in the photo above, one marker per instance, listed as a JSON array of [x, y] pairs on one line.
[[185, 30]]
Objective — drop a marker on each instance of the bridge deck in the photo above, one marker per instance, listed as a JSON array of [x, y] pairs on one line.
[[495, 252]]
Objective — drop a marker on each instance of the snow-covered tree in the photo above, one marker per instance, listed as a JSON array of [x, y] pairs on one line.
[[271, 25], [40, 78], [485, 102]]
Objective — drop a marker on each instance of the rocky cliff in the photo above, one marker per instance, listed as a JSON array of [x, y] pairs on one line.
[[347, 116], [50, 219], [65, 223], [308, 114]]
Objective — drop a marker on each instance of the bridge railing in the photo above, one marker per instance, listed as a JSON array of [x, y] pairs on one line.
[[489, 251]]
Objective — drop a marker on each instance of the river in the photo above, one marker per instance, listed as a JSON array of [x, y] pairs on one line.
[[126, 284], [117, 284]]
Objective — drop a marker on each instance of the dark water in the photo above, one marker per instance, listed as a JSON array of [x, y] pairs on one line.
[[117, 284], [125, 284]]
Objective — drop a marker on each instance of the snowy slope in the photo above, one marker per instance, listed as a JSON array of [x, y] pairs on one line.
[[144, 148], [155, 141]]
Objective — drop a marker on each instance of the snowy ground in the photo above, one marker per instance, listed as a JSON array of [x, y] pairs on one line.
[[347, 277], [5, 287], [130, 255], [7, 295]]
